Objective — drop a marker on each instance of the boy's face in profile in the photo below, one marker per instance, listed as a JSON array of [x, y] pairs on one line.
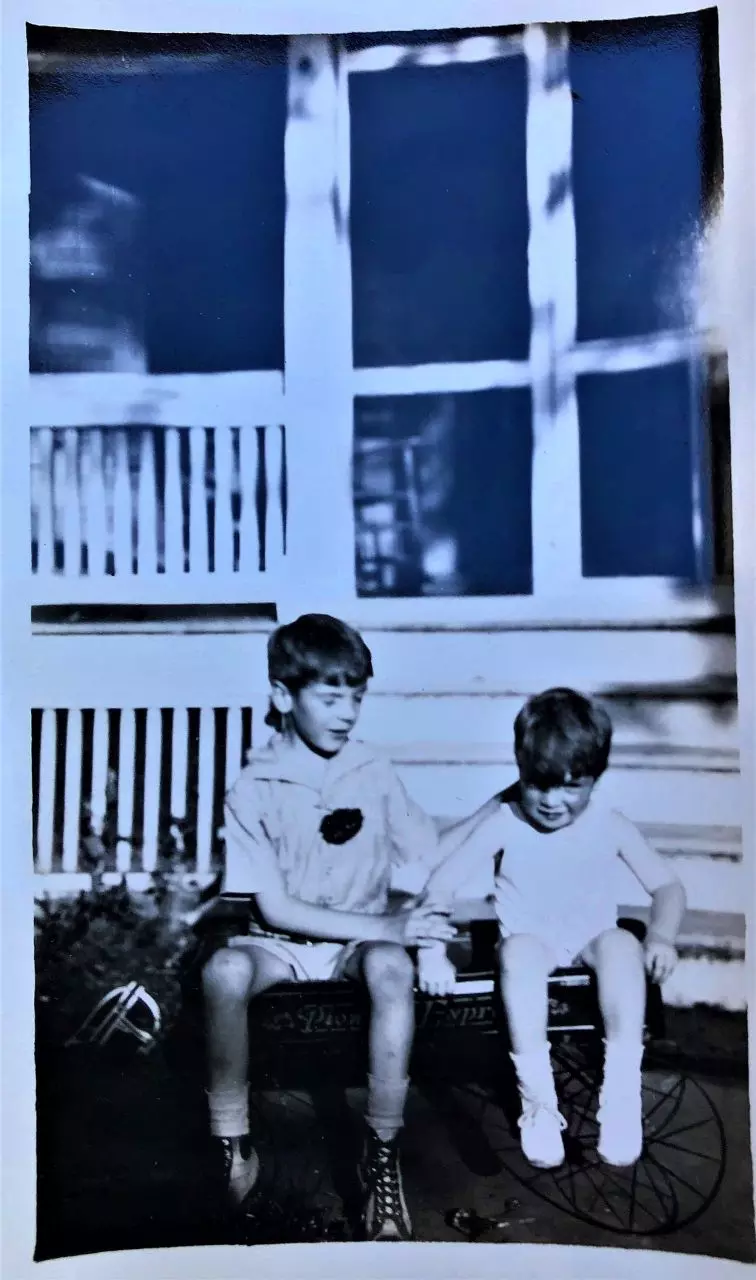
[[322, 714], [551, 808]]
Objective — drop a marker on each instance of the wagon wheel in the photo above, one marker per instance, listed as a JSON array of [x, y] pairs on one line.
[[674, 1182]]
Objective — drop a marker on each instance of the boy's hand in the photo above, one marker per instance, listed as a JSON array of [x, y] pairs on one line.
[[436, 974], [420, 924], [661, 959]]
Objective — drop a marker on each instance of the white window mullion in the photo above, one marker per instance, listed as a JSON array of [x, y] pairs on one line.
[[318, 332], [552, 277]]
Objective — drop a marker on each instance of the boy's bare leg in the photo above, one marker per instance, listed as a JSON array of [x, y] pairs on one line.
[[617, 958], [389, 976], [230, 979], [526, 963]]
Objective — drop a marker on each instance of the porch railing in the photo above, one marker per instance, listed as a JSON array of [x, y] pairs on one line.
[[117, 507], [136, 777]]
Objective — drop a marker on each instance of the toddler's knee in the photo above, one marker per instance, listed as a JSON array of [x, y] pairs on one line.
[[388, 970], [229, 974], [618, 946]]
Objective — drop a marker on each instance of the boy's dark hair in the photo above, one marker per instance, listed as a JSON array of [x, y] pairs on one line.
[[316, 648], [561, 735]]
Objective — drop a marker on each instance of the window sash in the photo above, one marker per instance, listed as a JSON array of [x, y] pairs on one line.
[[315, 398]]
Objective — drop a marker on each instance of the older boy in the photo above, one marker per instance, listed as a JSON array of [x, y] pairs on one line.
[[314, 827]]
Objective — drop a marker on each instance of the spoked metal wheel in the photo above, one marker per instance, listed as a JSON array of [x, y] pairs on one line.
[[674, 1182], [679, 1172]]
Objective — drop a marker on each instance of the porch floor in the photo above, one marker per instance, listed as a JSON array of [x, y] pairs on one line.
[[123, 1160]]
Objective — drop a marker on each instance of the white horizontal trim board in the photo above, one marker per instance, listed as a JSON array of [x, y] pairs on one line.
[[388, 57], [670, 795], [178, 400], [641, 724], [80, 670]]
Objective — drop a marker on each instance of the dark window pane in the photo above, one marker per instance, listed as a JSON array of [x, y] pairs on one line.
[[442, 494], [157, 212], [638, 443], [640, 153], [439, 218]]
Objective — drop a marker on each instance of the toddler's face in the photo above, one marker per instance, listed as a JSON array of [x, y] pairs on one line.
[[556, 807], [324, 715]]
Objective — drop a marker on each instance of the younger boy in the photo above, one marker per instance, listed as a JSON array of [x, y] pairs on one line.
[[314, 826], [557, 854]]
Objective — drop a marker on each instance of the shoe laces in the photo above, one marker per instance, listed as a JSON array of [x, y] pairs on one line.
[[534, 1108], [227, 1147], [384, 1179]]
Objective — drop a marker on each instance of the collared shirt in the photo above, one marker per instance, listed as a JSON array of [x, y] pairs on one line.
[[273, 817]]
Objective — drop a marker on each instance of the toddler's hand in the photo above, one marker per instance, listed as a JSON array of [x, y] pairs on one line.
[[419, 925], [661, 959], [436, 974]]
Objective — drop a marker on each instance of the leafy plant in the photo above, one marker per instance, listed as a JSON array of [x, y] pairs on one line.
[[110, 935]]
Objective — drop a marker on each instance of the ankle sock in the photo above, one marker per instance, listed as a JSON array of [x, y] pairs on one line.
[[385, 1106], [229, 1112]]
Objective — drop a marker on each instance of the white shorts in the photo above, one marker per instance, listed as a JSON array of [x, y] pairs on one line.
[[567, 940], [310, 961]]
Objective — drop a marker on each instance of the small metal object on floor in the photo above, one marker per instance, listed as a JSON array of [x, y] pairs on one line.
[[473, 1225]]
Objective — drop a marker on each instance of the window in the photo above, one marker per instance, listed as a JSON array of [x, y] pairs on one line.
[[538, 233], [471, 255], [157, 218], [145, 225]]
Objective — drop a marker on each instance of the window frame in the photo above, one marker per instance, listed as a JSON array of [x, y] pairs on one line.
[[318, 387]]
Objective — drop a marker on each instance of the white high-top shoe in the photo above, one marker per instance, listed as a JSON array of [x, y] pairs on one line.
[[541, 1122], [620, 1113]]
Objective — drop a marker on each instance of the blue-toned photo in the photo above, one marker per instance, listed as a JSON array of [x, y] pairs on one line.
[[387, 810]]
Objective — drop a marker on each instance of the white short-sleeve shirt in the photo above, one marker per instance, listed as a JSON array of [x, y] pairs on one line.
[[273, 819]]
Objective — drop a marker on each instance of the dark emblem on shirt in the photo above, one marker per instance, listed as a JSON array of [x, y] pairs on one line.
[[341, 825]]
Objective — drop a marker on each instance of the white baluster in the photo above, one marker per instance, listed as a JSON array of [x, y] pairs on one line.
[[93, 535], [126, 776], [172, 512], [41, 496], [233, 745], [198, 561], [179, 753], [72, 528], [122, 509], [46, 798], [99, 797], [224, 527], [273, 514], [72, 794], [147, 505], [151, 790], [249, 545], [59, 486], [205, 789], [109, 464]]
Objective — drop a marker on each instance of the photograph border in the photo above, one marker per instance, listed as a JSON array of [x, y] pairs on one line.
[[735, 281]]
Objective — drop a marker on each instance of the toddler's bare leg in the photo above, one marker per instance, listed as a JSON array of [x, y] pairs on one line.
[[526, 963], [525, 967], [617, 957]]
